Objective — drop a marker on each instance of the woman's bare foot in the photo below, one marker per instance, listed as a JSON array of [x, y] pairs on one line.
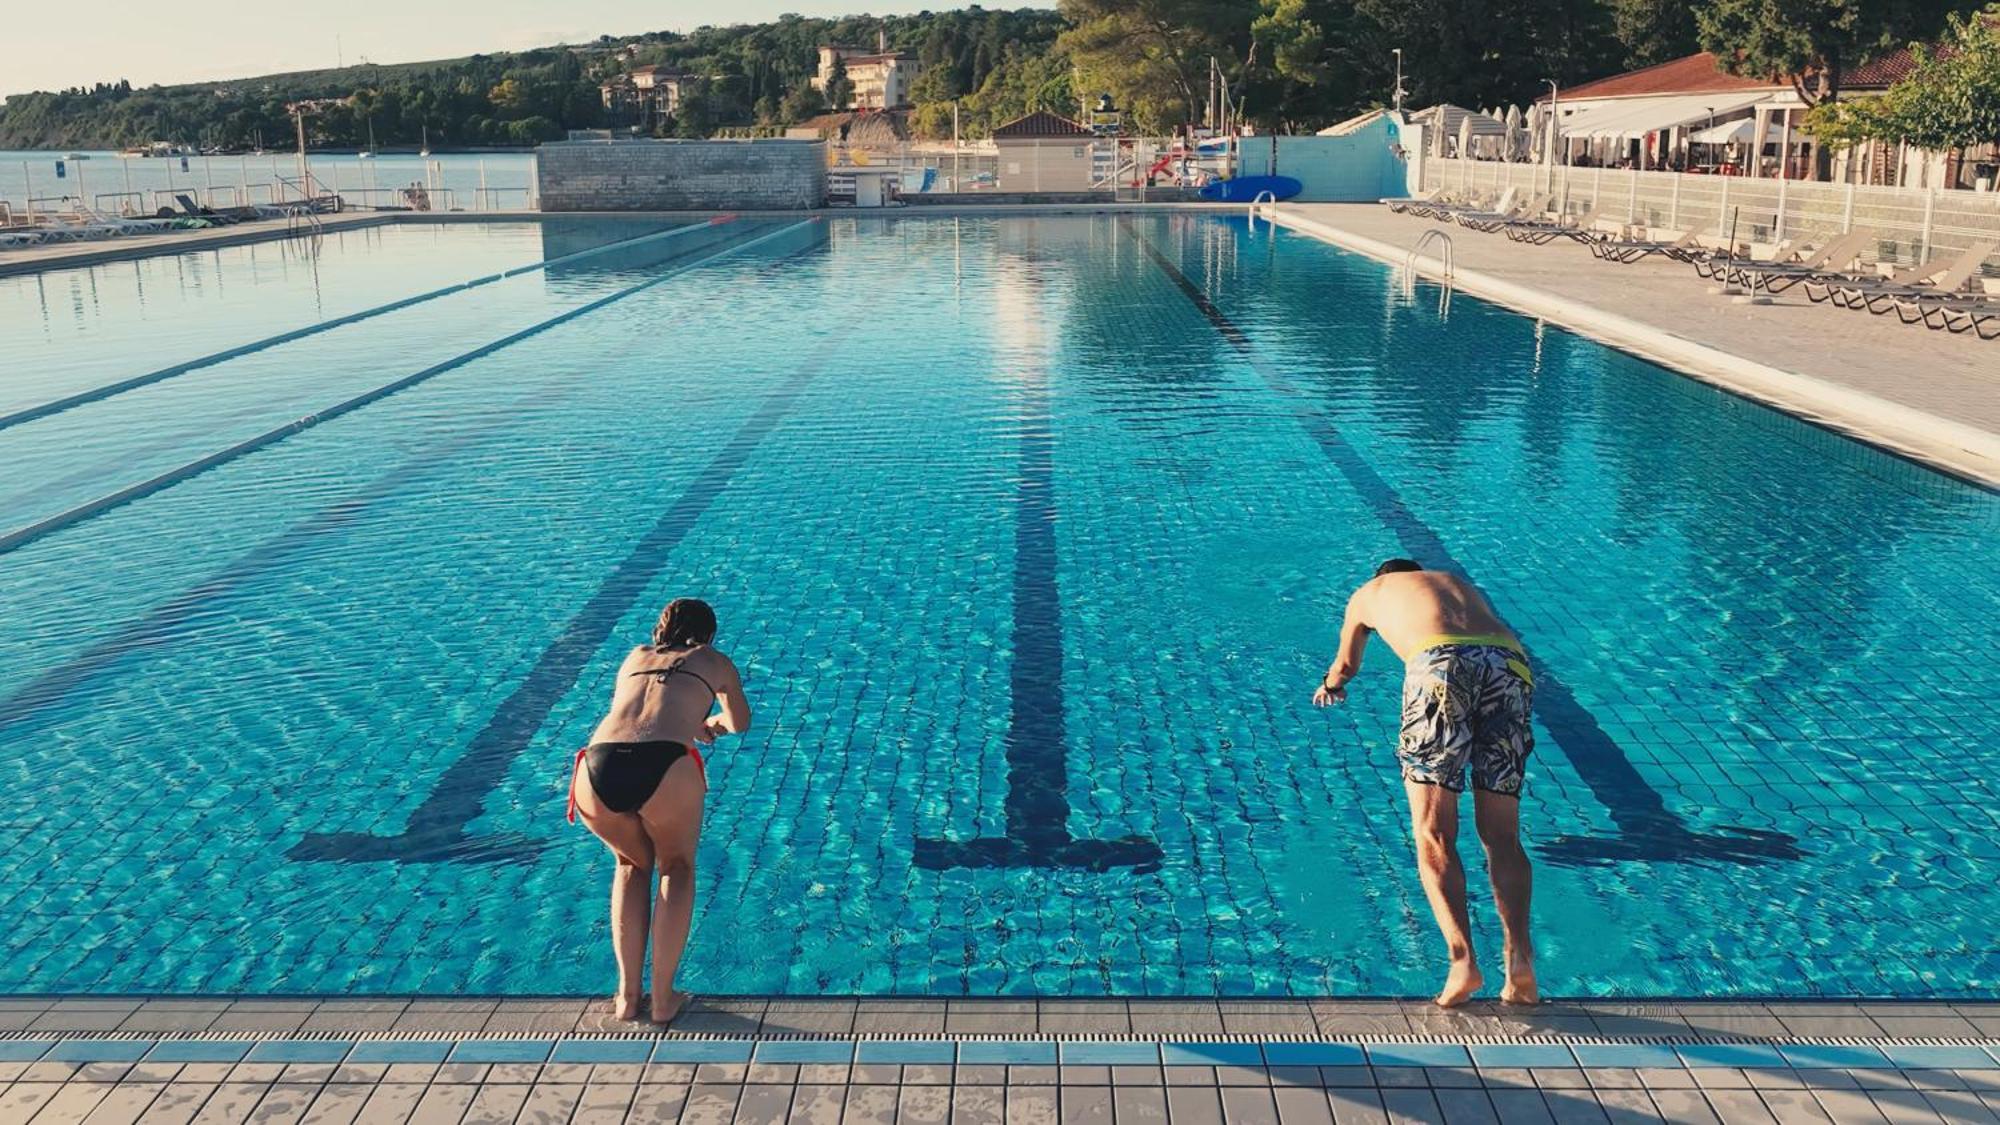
[[1520, 987], [1461, 985], [623, 1007], [664, 1013]]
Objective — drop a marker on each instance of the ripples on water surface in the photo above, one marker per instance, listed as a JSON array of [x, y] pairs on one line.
[[301, 722]]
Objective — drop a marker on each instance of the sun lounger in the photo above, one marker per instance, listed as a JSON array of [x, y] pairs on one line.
[[1490, 221], [1929, 280], [1833, 262], [1409, 203], [1626, 250], [1446, 212], [1721, 262], [1536, 232], [1970, 312]]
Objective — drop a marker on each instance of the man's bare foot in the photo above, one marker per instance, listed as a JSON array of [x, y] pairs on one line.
[[664, 1013], [1461, 985], [1520, 987], [624, 1007]]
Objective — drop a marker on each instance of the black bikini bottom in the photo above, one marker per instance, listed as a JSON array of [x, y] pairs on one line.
[[625, 774]]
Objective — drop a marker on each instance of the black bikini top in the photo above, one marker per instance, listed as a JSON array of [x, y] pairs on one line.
[[666, 672]]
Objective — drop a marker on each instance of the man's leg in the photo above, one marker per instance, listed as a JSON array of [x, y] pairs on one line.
[[1434, 824], [1499, 819]]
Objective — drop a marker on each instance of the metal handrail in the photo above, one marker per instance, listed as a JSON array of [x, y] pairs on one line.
[[1417, 249], [1257, 200]]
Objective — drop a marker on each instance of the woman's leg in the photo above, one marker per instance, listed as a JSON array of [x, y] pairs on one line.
[[631, 892], [673, 821]]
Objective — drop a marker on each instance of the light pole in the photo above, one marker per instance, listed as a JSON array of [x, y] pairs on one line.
[[1549, 144], [1396, 97]]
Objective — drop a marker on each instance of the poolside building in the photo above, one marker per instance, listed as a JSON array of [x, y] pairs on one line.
[[1044, 151], [1689, 114]]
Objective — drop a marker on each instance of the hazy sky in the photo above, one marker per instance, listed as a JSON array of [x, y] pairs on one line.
[[148, 43]]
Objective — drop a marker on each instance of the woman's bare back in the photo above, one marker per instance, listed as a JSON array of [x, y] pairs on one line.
[[665, 695]]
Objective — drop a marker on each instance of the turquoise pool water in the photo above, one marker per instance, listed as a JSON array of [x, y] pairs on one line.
[[1031, 537]]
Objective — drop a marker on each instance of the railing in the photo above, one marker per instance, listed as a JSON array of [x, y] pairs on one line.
[[1267, 195], [1416, 251], [1911, 224]]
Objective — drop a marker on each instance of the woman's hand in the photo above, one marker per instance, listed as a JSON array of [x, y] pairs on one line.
[[710, 728]]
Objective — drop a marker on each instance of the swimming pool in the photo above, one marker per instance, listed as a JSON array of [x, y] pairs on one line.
[[1031, 536]]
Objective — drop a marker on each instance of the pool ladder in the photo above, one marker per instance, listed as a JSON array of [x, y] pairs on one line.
[[1445, 279], [1258, 200]]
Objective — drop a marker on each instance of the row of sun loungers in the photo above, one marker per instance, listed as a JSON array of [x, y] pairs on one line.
[[85, 225], [1940, 293]]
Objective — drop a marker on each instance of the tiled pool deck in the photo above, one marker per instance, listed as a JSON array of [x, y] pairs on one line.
[[100, 1061]]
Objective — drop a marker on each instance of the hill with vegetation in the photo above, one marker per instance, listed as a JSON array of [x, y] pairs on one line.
[[1287, 64]]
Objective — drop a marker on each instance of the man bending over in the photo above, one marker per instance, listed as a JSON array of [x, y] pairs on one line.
[[1466, 696]]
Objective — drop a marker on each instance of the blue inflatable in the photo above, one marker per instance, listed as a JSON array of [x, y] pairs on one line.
[[1243, 189]]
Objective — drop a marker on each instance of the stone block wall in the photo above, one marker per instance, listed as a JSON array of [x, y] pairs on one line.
[[647, 175]]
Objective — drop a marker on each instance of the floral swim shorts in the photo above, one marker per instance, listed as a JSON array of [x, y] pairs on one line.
[[1467, 704]]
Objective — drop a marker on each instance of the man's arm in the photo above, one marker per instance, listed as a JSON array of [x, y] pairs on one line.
[[1353, 642]]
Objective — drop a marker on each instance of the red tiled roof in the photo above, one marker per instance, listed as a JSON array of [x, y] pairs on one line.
[[1694, 74], [1041, 123]]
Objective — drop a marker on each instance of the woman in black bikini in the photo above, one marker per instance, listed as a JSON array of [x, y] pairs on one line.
[[639, 786]]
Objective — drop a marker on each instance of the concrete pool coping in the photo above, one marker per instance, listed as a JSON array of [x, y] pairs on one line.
[[1019, 1062], [1162, 1018]]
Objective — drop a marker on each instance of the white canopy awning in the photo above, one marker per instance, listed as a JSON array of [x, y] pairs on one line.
[[1736, 132], [1636, 117]]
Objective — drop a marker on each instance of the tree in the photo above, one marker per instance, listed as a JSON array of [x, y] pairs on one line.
[[802, 102], [839, 87], [1153, 55], [1655, 31], [1813, 43], [1949, 102]]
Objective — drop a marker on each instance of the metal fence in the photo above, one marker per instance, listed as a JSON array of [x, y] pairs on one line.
[[1910, 224]]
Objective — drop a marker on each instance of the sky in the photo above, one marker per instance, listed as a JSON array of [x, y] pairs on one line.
[[234, 39]]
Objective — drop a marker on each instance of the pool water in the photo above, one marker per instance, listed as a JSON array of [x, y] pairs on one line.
[[1030, 536]]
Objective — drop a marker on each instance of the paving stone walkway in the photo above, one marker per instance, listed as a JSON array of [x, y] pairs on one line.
[[103, 1061]]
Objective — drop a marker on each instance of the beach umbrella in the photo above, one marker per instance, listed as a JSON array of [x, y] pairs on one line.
[[1513, 123], [1465, 137]]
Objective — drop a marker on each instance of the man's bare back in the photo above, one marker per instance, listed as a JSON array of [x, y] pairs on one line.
[[1410, 608]]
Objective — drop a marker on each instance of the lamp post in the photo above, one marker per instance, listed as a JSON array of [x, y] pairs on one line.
[[1396, 96], [1549, 145]]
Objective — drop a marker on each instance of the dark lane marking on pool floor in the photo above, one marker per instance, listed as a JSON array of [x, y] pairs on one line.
[[95, 394], [1037, 805], [437, 829], [159, 625], [28, 534], [1647, 829]]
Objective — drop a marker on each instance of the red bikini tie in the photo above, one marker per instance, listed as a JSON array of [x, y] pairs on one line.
[[572, 783]]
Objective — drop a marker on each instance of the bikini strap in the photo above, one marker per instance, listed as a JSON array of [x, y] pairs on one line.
[[572, 782]]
